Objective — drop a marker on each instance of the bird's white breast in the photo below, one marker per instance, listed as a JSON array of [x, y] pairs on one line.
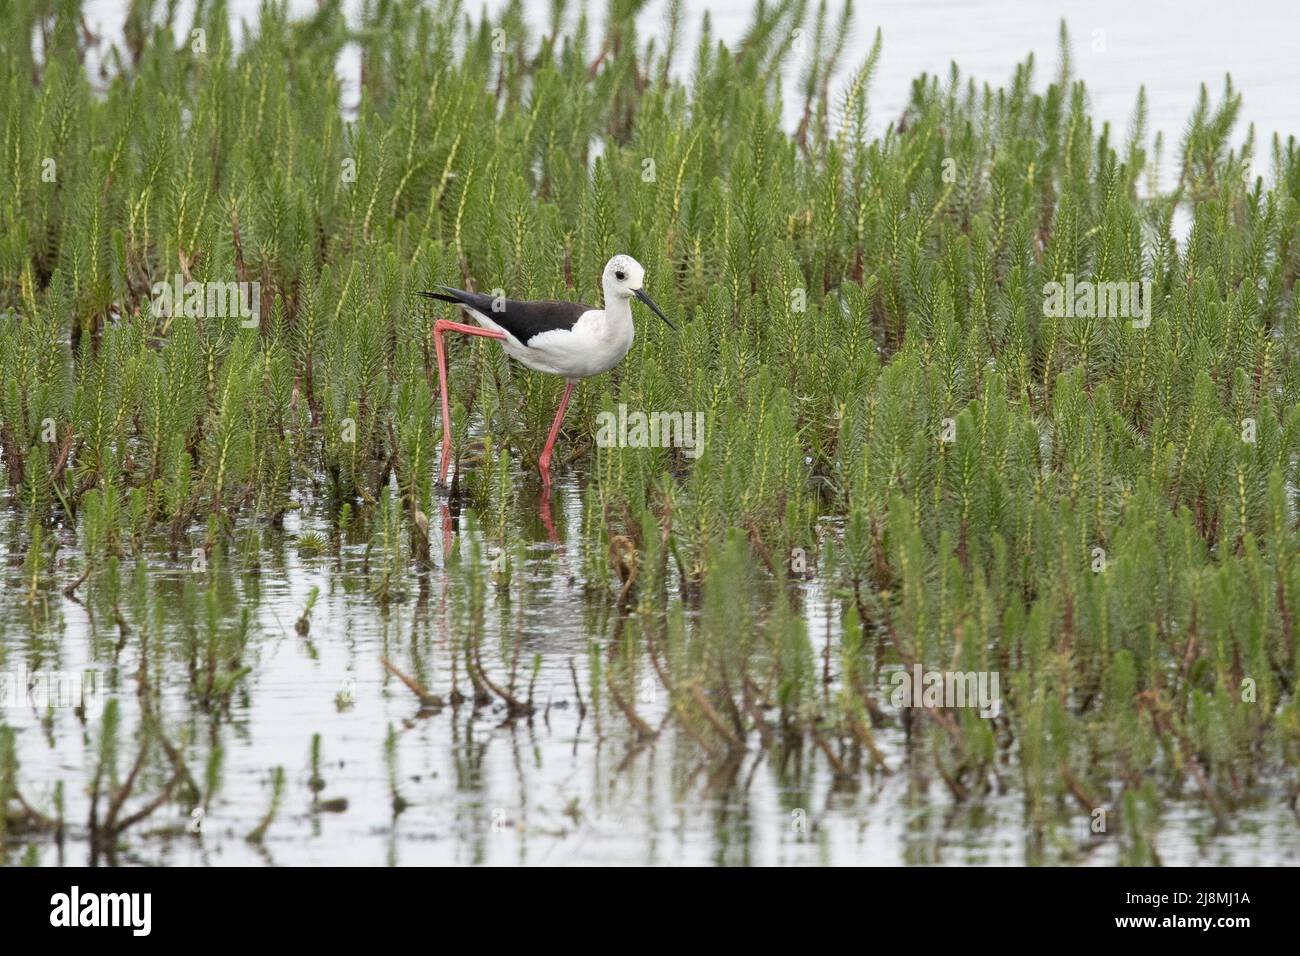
[[596, 343]]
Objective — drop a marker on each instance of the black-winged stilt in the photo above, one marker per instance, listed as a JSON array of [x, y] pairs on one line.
[[562, 338]]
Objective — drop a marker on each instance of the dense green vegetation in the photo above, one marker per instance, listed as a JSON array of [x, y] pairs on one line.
[[1103, 513]]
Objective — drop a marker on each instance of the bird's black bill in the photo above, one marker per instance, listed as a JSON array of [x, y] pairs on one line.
[[640, 294]]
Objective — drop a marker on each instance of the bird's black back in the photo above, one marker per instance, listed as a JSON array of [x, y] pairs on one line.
[[523, 320]]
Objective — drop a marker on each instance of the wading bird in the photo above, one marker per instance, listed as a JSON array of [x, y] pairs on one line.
[[561, 338]]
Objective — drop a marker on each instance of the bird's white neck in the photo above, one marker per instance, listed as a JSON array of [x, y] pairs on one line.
[[618, 310]]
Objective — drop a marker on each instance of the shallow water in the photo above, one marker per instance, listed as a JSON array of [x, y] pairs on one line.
[[557, 789]]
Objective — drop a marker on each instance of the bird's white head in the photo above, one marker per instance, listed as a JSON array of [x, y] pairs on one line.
[[625, 278]]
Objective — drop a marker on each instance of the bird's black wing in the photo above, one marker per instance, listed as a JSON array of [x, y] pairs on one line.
[[523, 320]]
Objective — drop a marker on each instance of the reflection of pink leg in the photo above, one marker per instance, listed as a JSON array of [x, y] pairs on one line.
[[446, 532], [544, 463], [439, 327], [545, 513], [443, 628]]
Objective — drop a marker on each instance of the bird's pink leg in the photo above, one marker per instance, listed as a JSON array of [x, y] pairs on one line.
[[439, 327], [544, 463]]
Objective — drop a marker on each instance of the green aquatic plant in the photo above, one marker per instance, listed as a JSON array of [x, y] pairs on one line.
[[258, 833], [303, 624], [985, 474]]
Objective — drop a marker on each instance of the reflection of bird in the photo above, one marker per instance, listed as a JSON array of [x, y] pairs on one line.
[[562, 338]]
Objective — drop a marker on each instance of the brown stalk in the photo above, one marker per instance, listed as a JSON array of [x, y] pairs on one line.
[[713, 717], [426, 698]]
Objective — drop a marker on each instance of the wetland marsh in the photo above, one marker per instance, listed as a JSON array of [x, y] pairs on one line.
[[902, 462]]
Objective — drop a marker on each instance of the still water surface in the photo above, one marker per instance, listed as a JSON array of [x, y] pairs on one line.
[[476, 787]]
